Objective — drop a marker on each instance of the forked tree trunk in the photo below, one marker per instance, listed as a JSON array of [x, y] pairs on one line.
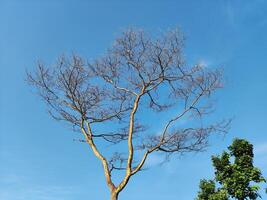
[[114, 196]]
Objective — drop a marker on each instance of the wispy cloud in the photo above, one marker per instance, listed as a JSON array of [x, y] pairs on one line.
[[14, 187], [42, 193], [204, 63], [236, 14], [230, 13], [260, 149], [154, 160]]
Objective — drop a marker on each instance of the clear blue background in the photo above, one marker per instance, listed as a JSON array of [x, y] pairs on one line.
[[38, 158]]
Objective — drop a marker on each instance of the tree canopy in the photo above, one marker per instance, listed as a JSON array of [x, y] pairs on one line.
[[238, 179]]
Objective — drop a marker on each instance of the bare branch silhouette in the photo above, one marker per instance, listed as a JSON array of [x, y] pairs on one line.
[[107, 98]]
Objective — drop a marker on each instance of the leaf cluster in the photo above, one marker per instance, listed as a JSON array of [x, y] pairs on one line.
[[239, 178]]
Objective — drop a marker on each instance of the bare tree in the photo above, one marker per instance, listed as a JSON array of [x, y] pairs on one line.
[[110, 100]]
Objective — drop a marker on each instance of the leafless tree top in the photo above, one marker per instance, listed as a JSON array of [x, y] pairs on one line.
[[111, 97]]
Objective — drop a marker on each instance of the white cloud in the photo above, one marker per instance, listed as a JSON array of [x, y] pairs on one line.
[[203, 63]]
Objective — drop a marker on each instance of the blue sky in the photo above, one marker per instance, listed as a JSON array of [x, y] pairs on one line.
[[40, 161]]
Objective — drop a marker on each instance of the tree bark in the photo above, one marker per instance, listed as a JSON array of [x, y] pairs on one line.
[[114, 196]]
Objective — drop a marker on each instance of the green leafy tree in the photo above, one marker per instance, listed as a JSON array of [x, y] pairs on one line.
[[240, 179], [208, 191]]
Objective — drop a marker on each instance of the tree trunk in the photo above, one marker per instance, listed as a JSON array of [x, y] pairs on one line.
[[114, 196]]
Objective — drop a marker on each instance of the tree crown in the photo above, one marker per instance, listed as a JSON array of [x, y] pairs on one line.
[[105, 99], [239, 178]]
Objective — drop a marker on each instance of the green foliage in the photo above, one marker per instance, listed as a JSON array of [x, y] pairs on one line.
[[239, 179], [208, 191]]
